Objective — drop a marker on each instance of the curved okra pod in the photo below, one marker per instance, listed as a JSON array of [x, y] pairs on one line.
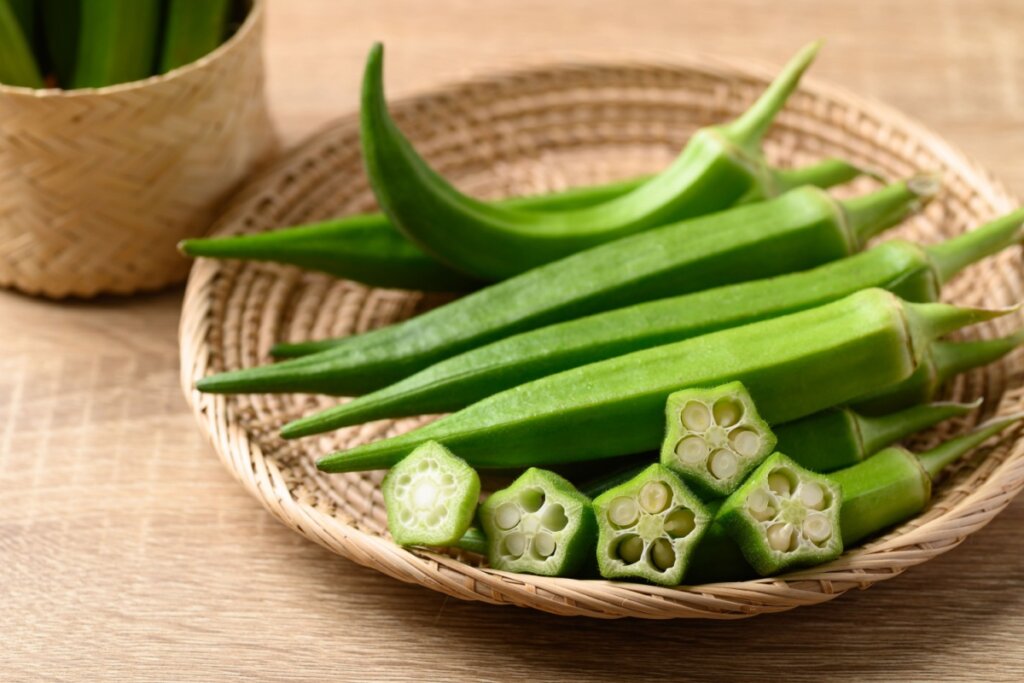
[[944, 360], [430, 497], [648, 527], [800, 229], [719, 166], [784, 516], [539, 525], [793, 366], [367, 249], [904, 268], [714, 437], [840, 437]]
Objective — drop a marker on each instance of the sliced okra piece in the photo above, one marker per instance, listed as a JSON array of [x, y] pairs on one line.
[[540, 524], [784, 516], [648, 527], [430, 497], [714, 437]]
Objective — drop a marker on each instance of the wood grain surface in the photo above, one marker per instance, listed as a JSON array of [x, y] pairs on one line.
[[128, 553]]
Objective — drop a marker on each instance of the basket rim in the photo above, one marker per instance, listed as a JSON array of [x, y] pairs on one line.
[[252, 19], [568, 596]]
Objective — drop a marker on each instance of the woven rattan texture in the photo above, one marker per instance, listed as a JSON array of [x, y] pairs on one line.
[[543, 129], [98, 186]]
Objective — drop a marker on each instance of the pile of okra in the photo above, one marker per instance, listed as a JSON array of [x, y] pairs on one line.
[[694, 376]]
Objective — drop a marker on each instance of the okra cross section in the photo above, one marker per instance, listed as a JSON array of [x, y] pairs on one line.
[[784, 516], [648, 527], [540, 524], [430, 497], [714, 437]]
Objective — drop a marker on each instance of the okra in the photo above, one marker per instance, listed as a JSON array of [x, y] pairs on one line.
[[192, 29], [912, 272], [430, 497], [367, 249], [798, 230], [116, 42], [793, 366], [17, 63], [943, 361], [648, 527], [539, 525], [840, 437], [784, 516], [61, 21], [718, 166], [887, 488], [714, 437]]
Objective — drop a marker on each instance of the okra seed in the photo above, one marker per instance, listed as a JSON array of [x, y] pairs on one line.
[[728, 411], [655, 496], [746, 442], [780, 483], [554, 517], [405, 479], [695, 416], [630, 549], [780, 537], [447, 479], [812, 495], [531, 499], [405, 516], [544, 544], [817, 527], [759, 504], [515, 544], [433, 519], [680, 522], [507, 516], [663, 556], [692, 450], [723, 464], [623, 511]]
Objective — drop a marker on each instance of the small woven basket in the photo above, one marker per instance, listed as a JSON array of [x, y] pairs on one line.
[[97, 186], [543, 129]]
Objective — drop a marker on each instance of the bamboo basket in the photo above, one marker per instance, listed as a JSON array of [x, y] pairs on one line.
[[547, 128], [97, 186]]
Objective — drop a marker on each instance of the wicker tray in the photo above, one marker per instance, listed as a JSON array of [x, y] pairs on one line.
[[540, 129]]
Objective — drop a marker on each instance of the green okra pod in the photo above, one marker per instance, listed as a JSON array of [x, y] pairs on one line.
[[367, 249], [714, 437], [17, 63], [192, 29], [793, 366], [887, 488], [539, 525], [944, 360], [430, 497], [648, 527], [800, 229], [840, 437], [61, 21], [719, 166], [116, 42], [912, 272]]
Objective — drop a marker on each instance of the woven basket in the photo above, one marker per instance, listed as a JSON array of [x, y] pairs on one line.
[[97, 186], [543, 129]]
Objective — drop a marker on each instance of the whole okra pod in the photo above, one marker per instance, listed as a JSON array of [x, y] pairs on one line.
[[793, 366], [798, 230], [915, 273], [367, 249], [719, 166]]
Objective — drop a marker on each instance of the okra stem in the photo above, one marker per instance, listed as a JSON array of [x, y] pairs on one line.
[[881, 431], [748, 130], [942, 456], [192, 29], [953, 255], [888, 206]]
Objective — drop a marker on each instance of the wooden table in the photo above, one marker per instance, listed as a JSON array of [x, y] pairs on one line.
[[127, 552]]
